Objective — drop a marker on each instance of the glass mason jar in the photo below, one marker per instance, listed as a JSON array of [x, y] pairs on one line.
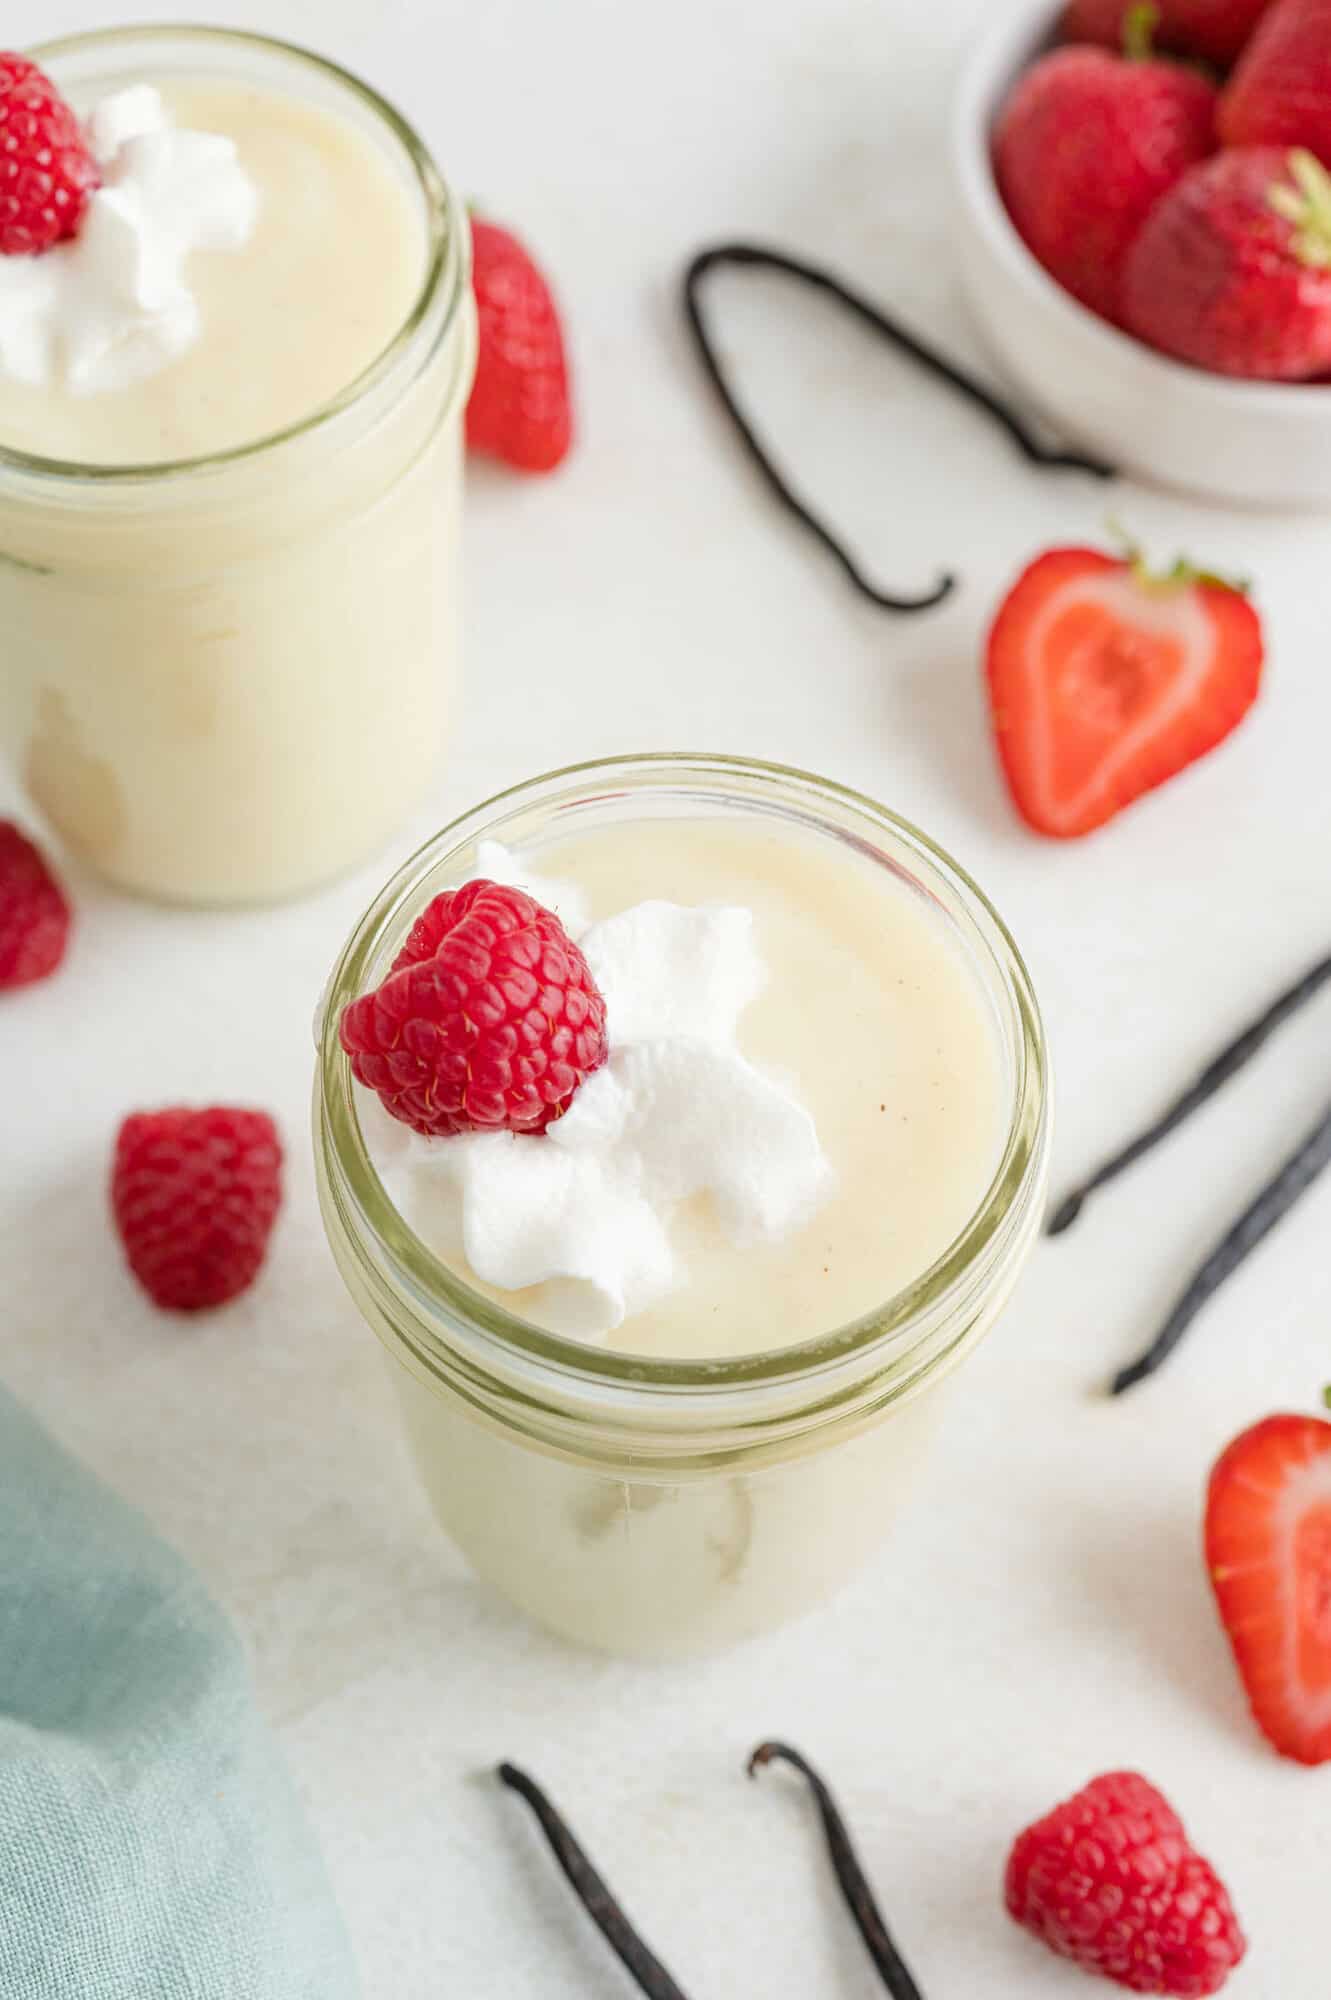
[[197, 652], [656, 1507]]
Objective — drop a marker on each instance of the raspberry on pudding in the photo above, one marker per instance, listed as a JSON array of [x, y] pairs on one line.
[[488, 1021], [46, 169]]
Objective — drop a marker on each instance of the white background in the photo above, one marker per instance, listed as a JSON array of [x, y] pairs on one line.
[[1042, 1612]]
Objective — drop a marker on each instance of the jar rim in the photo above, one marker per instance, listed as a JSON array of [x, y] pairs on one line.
[[446, 262], [349, 1178]]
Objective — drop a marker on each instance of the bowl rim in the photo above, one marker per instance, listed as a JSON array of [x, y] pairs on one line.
[[975, 103]]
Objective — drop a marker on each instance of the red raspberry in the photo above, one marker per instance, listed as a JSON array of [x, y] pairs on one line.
[[194, 1194], [1109, 1880], [46, 170], [519, 409], [34, 916], [488, 1021]]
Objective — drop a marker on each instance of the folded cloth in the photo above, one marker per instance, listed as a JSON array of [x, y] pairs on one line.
[[150, 1844]]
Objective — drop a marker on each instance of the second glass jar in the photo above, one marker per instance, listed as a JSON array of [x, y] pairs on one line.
[[227, 679]]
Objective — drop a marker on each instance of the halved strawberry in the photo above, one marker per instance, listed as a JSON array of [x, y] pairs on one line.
[[1105, 681], [1268, 1550]]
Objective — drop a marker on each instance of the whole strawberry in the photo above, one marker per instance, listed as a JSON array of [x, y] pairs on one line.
[[1109, 1880], [519, 409], [1084, 148], [46, 170], [1213, 30], [1280, 94], [34, 915], [194, 1195], [488, 1021], [1232, 271]]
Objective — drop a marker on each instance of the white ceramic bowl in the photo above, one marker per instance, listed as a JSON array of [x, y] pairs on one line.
[[1251, 443]]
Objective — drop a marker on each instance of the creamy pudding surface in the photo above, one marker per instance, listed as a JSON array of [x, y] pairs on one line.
[[330, 273], [868, 1016]]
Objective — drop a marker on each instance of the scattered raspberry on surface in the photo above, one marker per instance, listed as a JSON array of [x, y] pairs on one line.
[[1109, 1880], [34, 915], [489, 1020], [194, 1195], [520, 409], [46, 170]]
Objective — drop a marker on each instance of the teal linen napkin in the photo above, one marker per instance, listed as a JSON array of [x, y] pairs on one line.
[[150, 1846]]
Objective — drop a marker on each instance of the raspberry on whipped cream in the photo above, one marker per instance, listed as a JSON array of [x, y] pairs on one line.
[[46, 169], [583, 1209], [112, 303], [488, 1021]]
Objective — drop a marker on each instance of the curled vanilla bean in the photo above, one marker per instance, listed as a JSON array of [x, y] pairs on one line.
[[591, 1890], [850, 1876], [1275, 1200], [749, 256], [1218, 1071]]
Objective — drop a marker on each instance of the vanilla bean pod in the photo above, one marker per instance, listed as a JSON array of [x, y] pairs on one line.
[[1274, 1201], [751, 256], [592, 1891], [1232, 1058], [850, 1876]]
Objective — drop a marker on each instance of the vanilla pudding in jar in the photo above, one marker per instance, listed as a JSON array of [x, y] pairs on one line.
[[230, 471], [668, 1365]]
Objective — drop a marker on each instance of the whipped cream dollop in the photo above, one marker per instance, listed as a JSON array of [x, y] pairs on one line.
[[112, 305], [583, 1211]]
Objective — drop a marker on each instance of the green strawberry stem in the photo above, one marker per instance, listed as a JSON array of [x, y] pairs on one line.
[[1307, 205], [1139, 25], [1181, 574]]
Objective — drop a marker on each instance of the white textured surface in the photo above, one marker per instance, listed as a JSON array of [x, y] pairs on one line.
[[1042, 1612]]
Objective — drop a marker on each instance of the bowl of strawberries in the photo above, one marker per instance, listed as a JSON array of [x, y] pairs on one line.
[[1144, 218]]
